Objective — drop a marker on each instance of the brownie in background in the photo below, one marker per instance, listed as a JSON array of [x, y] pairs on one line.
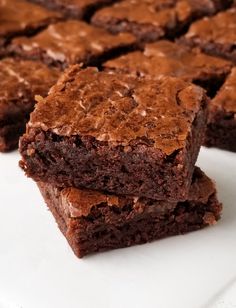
[[221, 129], [72, 42], [20, 82]]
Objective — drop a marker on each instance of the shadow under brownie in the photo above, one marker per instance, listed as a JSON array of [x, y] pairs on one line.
[[151, 20], [72, 42], [20, 82], [20, 17], [214, 35], [117, 133], [221, 128], [171, 59], [93, 222]]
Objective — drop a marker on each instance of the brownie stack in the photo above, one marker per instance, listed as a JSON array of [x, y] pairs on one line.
[[114, 156]]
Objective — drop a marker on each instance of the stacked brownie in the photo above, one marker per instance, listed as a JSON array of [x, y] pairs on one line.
[[114, 155]]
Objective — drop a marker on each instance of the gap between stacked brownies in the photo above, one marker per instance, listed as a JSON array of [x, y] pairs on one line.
[[117, 144]]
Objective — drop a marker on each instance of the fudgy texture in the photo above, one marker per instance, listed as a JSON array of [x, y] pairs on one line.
[[21, 17], [221, 129], [214, 35], [93, 222], [117, 133], [20, 82], [72, 42], [170, 59], [74, 8], [151, 20]]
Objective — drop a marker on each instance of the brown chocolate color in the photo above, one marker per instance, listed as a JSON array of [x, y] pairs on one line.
[[19, 17], [93, 222], [20, 82], [79, 9], [151, 20], [214, 35], [221, 129], [117, 133], [71, 42], [171, 59]]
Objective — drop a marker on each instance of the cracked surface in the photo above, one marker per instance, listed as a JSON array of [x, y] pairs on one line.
[[70, 42], [74, 8], [120, 109], [150, 20], [215, 35], [20, 82], [170, 59], [92, 221], [18, 17], [116, 133]]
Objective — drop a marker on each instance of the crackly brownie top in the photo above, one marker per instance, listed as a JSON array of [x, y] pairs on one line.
[[167, 58], [160, 13], [17, 16], [219, 29], [120, 109], [78, 202], [21, 81], [226, 97], [73, 41]]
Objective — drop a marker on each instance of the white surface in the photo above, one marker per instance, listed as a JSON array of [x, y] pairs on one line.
[[38, 269]]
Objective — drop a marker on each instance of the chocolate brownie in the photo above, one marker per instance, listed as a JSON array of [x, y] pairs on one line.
[[221, 130], [72, 42], [151, 20], [117, 133], [168, 58], [214, 35], [93, 222], [20, 82], [21, 17], [80, 9]]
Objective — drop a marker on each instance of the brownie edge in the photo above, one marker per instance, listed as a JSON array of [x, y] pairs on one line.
[[94, 222]]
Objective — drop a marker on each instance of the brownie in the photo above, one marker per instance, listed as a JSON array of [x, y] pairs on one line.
[[214, 35], [117, 133], [72, 42], [20, 82], [93, 222], [21, 17], [151, 20], [221, 129], [171, 59], [80, 9]]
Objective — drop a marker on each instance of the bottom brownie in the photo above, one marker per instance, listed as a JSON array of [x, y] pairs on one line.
[[93, 222], [221, 128]]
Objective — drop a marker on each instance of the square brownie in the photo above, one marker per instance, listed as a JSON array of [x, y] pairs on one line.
[[171, 59], [21, 17], [221, 129], [117, 133], [72, 42], [150, 20], [74, 8], [20, 82], [214, 35], [93, 222]]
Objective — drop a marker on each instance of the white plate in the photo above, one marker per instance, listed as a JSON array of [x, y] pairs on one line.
[[39, 270]]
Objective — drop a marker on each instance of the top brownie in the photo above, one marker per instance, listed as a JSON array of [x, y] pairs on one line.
[[72, 42], [151, 20], [171, 59], [21, 17], [215, 35], [74, 8], [116, 133]]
